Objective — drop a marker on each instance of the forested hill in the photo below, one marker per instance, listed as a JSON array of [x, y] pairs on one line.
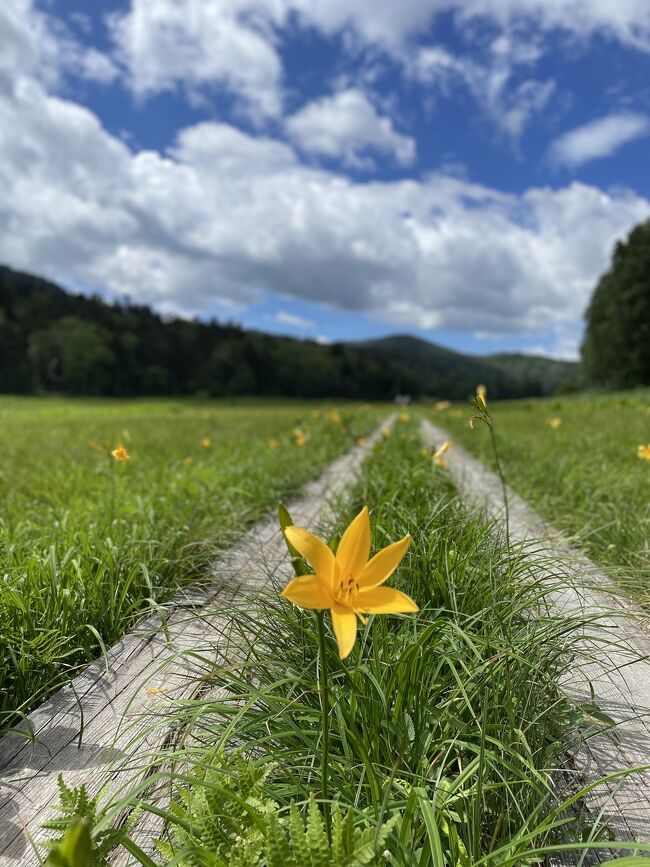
[[54, 341]]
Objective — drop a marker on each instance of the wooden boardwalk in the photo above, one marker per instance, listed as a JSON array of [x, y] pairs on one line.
[[615, 659], [100, 728]]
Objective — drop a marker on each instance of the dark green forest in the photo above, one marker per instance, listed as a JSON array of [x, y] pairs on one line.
[[616, 347], [52, 341]]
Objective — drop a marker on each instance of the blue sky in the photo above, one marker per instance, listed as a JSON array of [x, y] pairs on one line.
[[453, 169]]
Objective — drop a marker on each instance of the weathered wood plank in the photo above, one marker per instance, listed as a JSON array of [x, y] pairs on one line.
[[102, 727], [615, 649]]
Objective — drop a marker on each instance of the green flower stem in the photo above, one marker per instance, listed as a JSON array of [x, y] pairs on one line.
[[501, 475], [325, 715]]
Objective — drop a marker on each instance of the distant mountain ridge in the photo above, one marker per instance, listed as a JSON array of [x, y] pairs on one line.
[[508, 374], [52, 341]]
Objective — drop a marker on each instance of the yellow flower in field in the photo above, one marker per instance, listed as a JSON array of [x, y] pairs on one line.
[[404, 416], [300, 438], [361, 441], [438, 459], [348, 583], [273, 443], [554, 422], [333, 415], [385, 432], [120, 453], [644, 452], [442, 405], [188, 461], [206, 442]]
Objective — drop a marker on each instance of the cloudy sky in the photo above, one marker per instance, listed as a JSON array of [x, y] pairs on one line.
[[456, 169]]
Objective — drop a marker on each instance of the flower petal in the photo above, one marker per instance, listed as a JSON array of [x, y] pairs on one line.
[[383, 564], [344, 621], [385, 600], [443, 448], [314, 550], [308, 591], [354, 547]]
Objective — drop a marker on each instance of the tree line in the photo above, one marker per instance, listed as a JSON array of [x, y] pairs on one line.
[[54, 341], [616, 347]]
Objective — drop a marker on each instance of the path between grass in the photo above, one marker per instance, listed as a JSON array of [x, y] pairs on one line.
[[101, 728], [616, 649]]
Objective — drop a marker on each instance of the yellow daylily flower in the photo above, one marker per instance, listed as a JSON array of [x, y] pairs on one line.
[[644, 452], [554, 423], [120, 453], [206, 442], [438, 459], [348, 583]]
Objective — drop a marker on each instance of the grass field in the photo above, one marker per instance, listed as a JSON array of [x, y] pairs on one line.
[[444, 726], [575, 460], [86, 542]]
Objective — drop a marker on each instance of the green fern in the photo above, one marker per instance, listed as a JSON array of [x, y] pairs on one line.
[[80, 843], [298, 842], [220, 805], [222, 818]]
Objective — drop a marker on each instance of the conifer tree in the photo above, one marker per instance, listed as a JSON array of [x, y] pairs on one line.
[[616, 347]]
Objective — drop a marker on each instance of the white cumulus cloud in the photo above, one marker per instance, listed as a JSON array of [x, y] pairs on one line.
[[197, 44], [234, 44], [299, 322], [223, 216], [347, 125], [598, 138]]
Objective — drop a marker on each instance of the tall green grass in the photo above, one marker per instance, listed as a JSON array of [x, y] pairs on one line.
[[585, 476], [87, 543], [447, 724]]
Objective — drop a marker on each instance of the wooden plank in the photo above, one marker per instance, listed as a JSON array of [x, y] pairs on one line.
[[101, 728], [614, 645]]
